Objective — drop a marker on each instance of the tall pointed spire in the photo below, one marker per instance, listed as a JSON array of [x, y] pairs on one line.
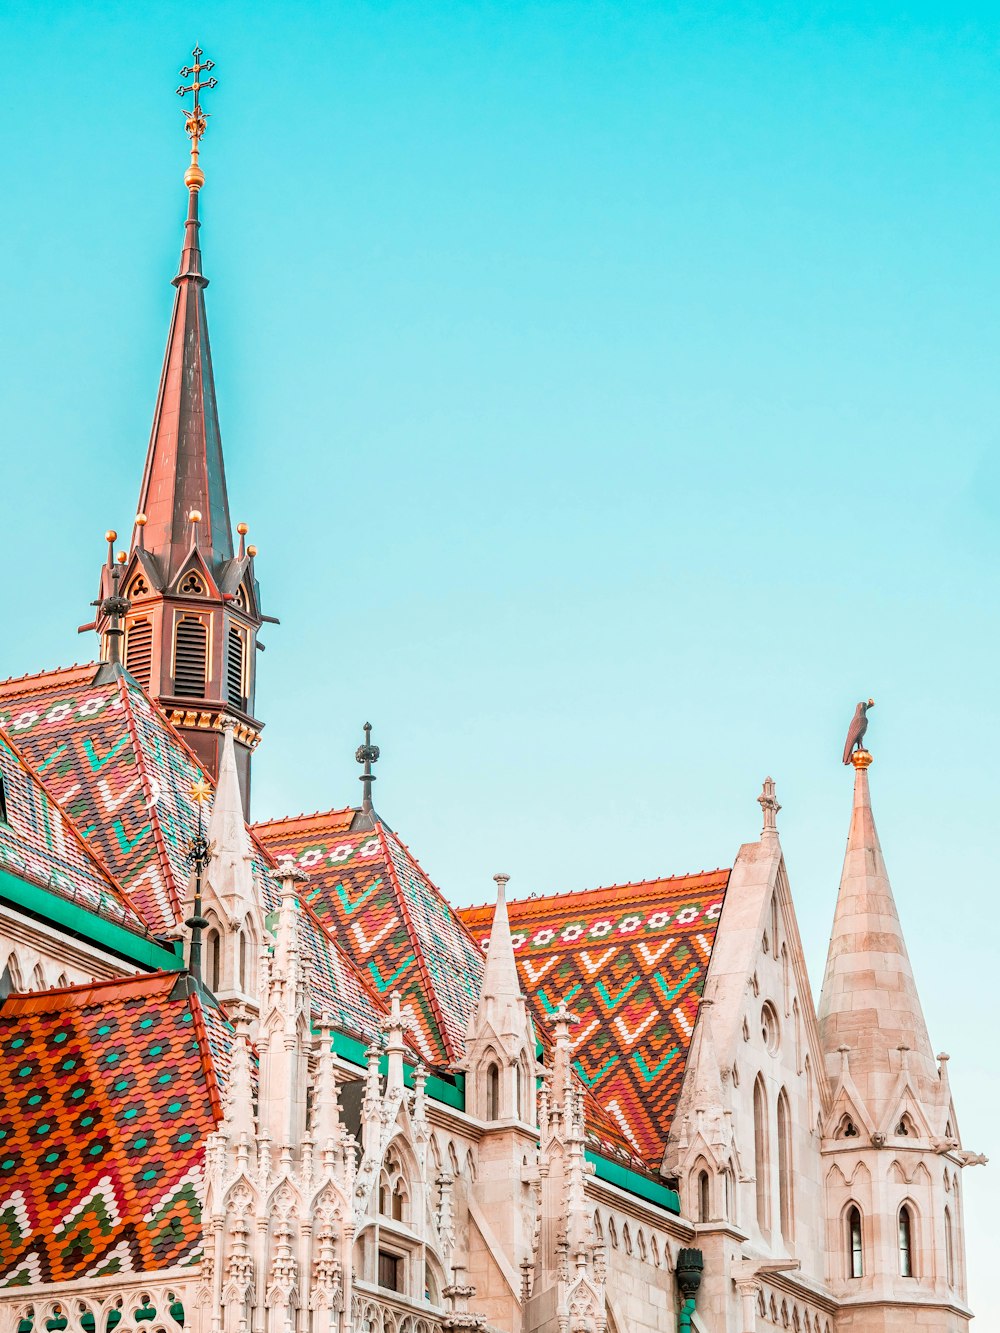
[[501, 989], [869, 1001], [191, 605], [184, 471]]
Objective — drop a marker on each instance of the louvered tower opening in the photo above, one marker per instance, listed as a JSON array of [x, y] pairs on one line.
[[235, 672], [190, 658], [139, 651]]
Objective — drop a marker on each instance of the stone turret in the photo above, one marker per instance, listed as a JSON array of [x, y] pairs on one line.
[[892, 1158]]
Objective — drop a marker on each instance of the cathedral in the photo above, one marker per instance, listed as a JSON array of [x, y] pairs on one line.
[[264, 1078]]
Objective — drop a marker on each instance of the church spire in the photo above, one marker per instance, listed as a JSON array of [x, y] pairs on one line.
[[190, 605], [184, 471], [869, 1001]]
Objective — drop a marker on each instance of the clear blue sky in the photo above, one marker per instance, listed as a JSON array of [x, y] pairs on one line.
[[612, 392]]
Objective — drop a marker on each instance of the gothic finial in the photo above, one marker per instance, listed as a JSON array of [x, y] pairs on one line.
[[196, 120], [114, 606], [769, 804], [199, 854], [367, 755]]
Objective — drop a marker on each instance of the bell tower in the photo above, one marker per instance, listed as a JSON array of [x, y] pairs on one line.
[[188, 634]]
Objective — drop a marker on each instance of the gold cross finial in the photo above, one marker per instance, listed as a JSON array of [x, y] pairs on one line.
[[196, 120]]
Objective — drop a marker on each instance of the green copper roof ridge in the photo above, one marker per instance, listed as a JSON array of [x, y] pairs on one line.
[[86, 924]]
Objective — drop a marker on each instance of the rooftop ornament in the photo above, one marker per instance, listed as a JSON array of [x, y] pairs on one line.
[[367, 755], [854, 747], [196, 120]]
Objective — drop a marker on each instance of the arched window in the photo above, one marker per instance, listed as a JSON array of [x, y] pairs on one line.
[[855, 1248], [704, 1197], [784, 1166], [492, 1092], [139, 651], [243, 961], [761, 1155], [905, 1242], [949, 1248], [190, 658], [214, 960], [392, 1192]]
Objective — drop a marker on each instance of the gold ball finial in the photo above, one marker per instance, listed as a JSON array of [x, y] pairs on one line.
[[242, 528], [110, 536], [122, 557], [861, 759], [194, 177], [251, 551], [140, 520], [194, 516]]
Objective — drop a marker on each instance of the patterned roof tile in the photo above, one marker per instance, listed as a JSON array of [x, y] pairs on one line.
[[391, 920], [106, 1096], [630, 961], [39, 843]]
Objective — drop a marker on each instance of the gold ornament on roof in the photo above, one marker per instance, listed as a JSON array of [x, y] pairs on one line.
[[196, 120], [201, 791]]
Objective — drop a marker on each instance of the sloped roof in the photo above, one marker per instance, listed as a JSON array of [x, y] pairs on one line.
[[630, 962], [121, 773], [40, 844], [107, 1092], [390, 919]]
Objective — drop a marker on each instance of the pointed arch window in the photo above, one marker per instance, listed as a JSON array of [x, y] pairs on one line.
[[214, 960], [190, 658], [139, 651], [906, 1268], [704, 1197], [392, 1192], [855, 1245], [949, 1249], [784, 1166], [761, 1156], [492, 1092]]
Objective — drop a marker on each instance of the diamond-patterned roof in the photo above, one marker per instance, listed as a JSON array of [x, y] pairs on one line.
[[390, 919], [122, 774], [107, 1093], [630, 962], [39, 843]]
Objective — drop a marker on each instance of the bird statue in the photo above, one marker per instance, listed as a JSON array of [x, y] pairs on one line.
[[856, 731]]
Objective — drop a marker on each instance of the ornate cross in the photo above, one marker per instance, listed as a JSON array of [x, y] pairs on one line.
[[196, 118]]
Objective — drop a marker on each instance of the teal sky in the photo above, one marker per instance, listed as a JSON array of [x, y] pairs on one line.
[[612, 392]]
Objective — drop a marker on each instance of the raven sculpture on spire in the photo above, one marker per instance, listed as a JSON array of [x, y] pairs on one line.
[[856, 731]]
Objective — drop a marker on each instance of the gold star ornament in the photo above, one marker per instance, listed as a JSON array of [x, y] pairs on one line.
[[201, 791]]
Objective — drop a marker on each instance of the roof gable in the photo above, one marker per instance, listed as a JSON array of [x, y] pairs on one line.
[[40, 844], [630, 962], [391, 920], [108, 1093], [123, 776]]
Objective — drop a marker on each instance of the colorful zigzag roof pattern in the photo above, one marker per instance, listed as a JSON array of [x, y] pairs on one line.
[[107, 1093], [118, 769], [389, 918], [630, 962], [40, 844]]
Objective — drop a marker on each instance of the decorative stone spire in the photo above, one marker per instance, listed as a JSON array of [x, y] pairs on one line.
[[501, 996], [500, 1041], [869, 1003], [769, 804], [231, 872]]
